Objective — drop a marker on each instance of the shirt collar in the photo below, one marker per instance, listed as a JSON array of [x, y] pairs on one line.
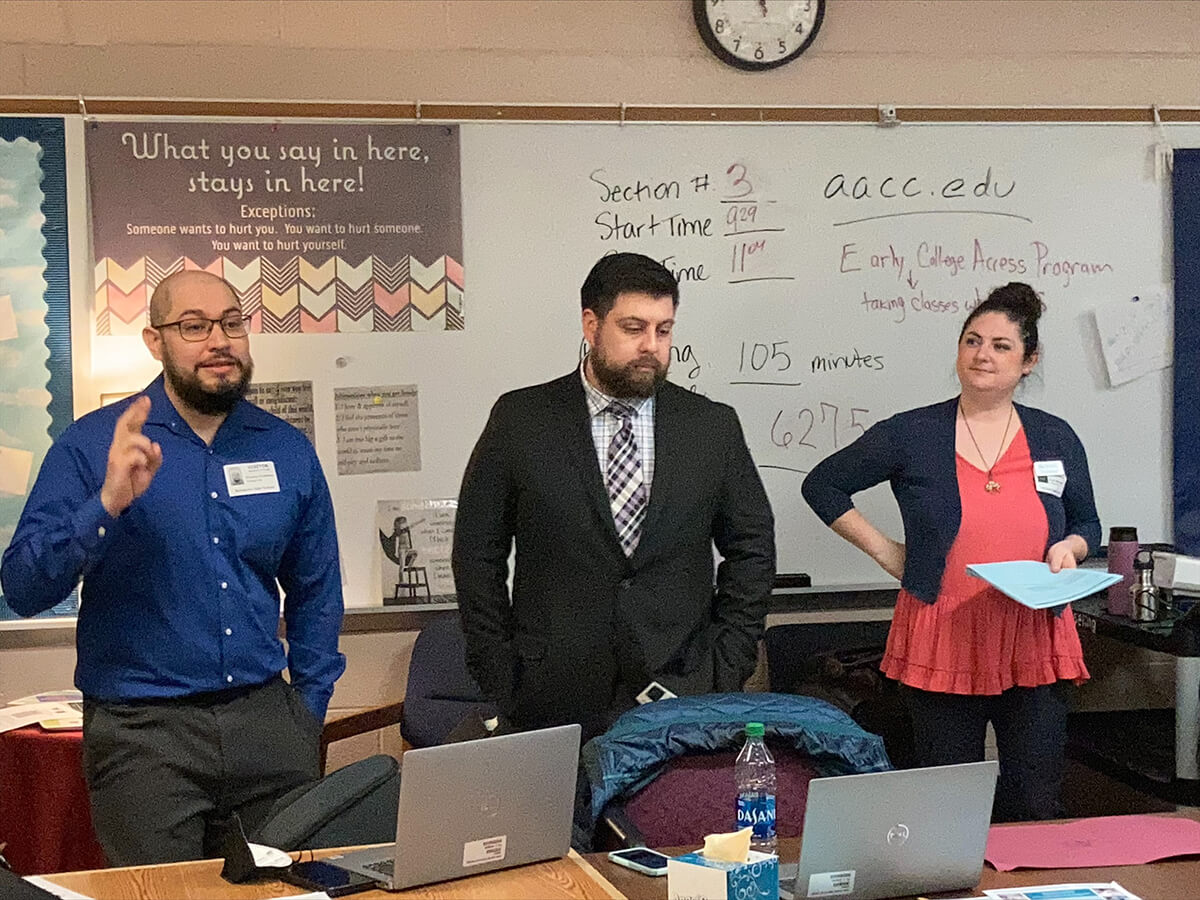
[[598, 401], [245, 415]]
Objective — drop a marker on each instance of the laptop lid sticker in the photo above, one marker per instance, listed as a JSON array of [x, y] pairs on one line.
[[831, 884], [488, 850]]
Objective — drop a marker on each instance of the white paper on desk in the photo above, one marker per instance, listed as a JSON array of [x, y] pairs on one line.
[[13, 717], [1136, 336], [56, 890], [1032, 583], [15, 466], [8, 318], [1109, 890], [318, 895], [67, 695], [266, 857]]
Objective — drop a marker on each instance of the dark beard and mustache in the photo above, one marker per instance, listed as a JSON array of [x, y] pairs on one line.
[[629, 380], [206, 401]]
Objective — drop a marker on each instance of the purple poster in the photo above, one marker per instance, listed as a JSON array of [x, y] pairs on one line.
[[319, 228]]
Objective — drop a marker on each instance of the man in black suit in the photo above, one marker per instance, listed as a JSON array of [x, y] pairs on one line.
[[615, 485]]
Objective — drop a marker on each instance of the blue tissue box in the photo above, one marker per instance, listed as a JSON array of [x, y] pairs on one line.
[[693, 877]]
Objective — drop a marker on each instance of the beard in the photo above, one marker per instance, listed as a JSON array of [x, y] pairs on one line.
[[629, 380], [205, 400]]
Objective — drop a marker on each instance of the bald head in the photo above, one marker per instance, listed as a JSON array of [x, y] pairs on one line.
[[176, 285]]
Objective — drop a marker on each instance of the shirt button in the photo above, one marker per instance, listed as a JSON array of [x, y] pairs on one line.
[[216, 540], [229, 678], [228, 631], [213, 495], [101, 531], [224, 585]]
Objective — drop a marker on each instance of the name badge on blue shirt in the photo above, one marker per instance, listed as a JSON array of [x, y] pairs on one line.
[[1049, 477], [243, 479]]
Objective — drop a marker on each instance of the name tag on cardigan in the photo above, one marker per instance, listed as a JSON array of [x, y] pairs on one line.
[[1049, 477], [251, 478]]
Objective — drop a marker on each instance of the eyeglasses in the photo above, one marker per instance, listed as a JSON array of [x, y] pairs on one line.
[[195, 328]]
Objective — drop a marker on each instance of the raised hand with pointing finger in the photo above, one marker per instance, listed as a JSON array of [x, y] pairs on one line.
[[133, 460]]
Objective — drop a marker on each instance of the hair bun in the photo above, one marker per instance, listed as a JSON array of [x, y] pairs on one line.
[[1024, 301]]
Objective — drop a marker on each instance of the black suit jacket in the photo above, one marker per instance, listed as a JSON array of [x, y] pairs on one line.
[[588, 628]]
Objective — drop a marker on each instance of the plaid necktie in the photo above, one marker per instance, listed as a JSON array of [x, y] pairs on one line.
[[626, 488]]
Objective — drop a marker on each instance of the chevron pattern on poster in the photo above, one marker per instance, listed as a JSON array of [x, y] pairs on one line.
[[318, 277], [347, 324], [429, 303], [128, 280], [280, 278], [156, 273], [428, 277], [391, 302], [390, 277], [354, 277], [454, 273], [251, 302], [355, 302], [299, 296], [243, 278], [128, 307], [317, 303], [454, 308], [280, 304], [287, 324], [327, 324], [401, 321]]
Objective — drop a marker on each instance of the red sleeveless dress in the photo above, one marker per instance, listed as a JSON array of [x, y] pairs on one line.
[[974, 639]]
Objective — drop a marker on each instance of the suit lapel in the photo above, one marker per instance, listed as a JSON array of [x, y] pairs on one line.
[[571, 406]]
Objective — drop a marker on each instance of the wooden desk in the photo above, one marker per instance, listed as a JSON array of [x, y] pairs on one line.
[[570, 878], [1176, 879]]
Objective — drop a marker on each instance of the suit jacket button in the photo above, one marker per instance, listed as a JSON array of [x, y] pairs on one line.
[[626, 584]]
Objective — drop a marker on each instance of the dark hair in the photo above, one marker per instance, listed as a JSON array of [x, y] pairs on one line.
[[1020, 304], [625, 273]]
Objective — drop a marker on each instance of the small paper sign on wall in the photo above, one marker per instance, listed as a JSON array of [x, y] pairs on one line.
[[1137, 335]]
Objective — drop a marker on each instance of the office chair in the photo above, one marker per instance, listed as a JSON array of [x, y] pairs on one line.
[[439, 696], [839, 662], [695, 795]]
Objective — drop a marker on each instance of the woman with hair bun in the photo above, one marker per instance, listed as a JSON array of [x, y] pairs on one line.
[[978, 478]]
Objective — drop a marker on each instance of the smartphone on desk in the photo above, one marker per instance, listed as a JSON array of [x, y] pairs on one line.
[[640, 859], [321, 876]]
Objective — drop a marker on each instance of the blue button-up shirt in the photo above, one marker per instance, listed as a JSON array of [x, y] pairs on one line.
[[179, 592]]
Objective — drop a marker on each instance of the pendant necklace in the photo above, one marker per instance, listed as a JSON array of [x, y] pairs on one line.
[[992, 485]]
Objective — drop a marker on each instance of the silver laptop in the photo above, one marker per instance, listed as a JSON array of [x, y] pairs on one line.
[[478, 806], [895, 834]]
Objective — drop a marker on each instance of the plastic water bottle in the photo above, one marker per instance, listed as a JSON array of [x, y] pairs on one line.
[[754, 772]]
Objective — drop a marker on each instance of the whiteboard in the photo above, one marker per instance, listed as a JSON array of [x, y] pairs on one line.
[[837, 302]]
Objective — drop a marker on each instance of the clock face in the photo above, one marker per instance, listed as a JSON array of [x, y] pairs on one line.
[[758, 34]]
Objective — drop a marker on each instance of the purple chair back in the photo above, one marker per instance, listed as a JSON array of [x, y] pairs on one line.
[[695, 795]]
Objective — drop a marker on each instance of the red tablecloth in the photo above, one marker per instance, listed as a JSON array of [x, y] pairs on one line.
[[44, 813]]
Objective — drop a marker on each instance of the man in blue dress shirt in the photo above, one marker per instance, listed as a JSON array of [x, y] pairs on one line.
[[184, 509]]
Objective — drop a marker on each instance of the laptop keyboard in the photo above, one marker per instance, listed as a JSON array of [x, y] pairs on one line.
[[383, 867]]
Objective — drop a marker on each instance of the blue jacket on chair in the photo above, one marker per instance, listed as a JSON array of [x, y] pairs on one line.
[[637, 746]]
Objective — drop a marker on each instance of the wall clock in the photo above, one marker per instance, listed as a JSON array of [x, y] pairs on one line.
[[758, 34]]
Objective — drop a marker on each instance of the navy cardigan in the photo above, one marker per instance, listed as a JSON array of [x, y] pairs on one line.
[[914, 450]]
